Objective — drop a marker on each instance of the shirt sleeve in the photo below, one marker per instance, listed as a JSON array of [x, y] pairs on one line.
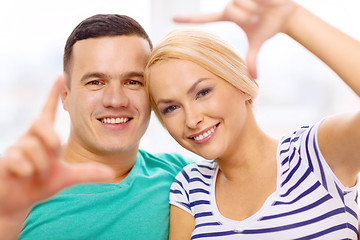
[[310, 152], [179, 191]]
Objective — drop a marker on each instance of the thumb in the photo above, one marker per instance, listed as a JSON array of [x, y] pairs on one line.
[[251, 58], [89, 172], [199, 18], [66, 175]]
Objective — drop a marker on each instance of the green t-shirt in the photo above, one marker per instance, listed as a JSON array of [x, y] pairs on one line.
[[136, 208]]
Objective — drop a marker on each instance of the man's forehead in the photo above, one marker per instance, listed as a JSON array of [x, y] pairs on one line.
[[110, 55], [119, 48], [122, 40]]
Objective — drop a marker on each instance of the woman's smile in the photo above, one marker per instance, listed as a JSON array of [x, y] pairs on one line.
[[203, 113], [205, 135]]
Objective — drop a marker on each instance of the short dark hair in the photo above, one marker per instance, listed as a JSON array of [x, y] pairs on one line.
[[102, 25]]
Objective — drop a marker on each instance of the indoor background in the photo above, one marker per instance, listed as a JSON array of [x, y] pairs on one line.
[[292, 81]]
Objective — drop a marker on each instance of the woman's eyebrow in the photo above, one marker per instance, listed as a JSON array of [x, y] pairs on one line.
[[193, 87], [164, 101], [191, 90]]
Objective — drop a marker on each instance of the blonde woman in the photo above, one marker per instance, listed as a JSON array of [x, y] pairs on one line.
[[302, 186]]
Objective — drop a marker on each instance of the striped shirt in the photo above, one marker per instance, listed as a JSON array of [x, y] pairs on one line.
[[309, 201]]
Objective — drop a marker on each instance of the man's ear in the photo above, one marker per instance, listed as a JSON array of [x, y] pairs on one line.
[[64, 95]]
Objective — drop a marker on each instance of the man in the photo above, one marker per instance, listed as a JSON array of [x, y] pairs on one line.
[[104, 94]]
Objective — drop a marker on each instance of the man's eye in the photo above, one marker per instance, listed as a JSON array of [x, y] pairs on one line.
[[169, 109], [134, 82], [94, 83]]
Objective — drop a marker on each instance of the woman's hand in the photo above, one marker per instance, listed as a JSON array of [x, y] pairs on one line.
[[260, 19]]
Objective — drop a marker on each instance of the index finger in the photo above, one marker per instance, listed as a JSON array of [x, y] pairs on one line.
[[50, 106], [199, 18]]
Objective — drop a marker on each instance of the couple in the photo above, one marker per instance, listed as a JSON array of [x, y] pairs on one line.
[[252, 187]]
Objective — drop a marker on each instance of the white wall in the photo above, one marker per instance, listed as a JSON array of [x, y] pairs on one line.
[[292, 81]]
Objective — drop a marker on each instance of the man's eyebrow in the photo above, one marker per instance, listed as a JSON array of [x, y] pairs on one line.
[[94, 75], [191, 90], [107, 76]]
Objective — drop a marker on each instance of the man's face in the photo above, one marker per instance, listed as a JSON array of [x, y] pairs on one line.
[[107, 102]]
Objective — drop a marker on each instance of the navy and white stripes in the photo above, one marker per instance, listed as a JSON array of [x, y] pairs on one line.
[[309, 202]]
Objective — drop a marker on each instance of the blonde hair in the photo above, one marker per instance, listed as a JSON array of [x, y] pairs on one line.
[[206, 50]]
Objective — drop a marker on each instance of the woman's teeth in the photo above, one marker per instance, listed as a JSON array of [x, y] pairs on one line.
[[205, 134]]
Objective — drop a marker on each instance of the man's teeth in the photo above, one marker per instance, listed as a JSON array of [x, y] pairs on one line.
[[205, 134], [114, 120]]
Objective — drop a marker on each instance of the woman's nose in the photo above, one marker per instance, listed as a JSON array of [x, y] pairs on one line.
[[193, 117]]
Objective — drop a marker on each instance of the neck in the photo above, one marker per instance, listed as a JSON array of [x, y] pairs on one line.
[[253, 150], [120, 162]]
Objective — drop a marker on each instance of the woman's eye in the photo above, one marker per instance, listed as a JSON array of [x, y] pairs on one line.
[[169, 109], [203, 93]]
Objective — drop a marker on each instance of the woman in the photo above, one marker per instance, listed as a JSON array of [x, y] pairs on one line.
[[302, 186]]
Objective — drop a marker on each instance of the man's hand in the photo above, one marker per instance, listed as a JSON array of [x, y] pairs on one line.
[[31, 170]]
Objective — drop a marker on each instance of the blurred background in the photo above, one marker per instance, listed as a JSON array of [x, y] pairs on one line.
[[293, 82]]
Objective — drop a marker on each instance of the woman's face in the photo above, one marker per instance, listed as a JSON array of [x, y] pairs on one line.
[[202, 112]]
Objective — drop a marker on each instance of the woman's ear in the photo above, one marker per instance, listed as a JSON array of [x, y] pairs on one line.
[[248, 98]]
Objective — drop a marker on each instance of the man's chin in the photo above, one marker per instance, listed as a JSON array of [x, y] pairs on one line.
[[119, 149]]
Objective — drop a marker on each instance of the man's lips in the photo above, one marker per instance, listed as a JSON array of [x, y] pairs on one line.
[[114, 120]]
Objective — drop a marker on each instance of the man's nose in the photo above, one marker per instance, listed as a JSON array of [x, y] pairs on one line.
[[115, 96]]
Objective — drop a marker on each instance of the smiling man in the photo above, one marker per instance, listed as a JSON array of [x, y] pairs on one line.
[[104, 94]]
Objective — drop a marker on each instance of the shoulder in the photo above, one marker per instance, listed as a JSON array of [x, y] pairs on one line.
[[196, 177], [338, 138], [299, 155], [295, 147], [300, 160], [168, 161], [303, 138], [197, 170], [192, 180], [293, 138]]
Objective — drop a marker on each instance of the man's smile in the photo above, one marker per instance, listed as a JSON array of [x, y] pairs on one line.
[[114, 120]]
